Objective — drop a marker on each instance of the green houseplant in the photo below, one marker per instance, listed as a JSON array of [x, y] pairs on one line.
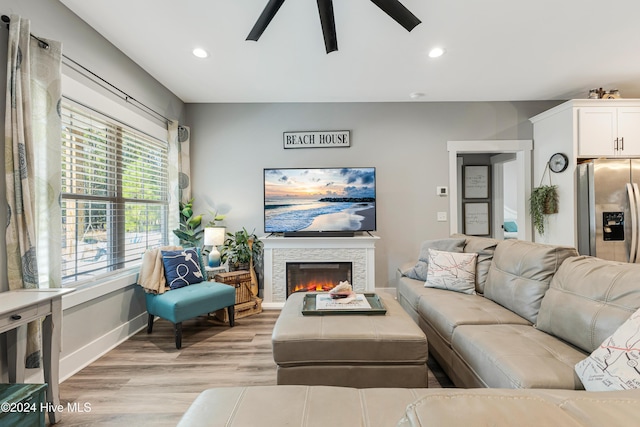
[[543, 201], [239, 248], [190, 231]]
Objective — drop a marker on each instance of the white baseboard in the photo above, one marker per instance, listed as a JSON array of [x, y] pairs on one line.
[[82, 357]]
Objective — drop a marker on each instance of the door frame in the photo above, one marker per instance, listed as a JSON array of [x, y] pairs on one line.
[[522, 148]]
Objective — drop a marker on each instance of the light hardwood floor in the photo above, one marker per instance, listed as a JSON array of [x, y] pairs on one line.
[[146, 381]]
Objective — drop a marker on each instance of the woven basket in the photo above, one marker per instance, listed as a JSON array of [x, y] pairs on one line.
[[242, 282]]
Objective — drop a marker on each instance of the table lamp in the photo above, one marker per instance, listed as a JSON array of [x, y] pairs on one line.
[[214, 236]]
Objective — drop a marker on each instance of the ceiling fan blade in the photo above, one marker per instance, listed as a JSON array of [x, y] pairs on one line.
[[328, 22], [398, 12], [264, 19]]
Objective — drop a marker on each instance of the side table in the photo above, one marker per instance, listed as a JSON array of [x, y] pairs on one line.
[[212, 271], [17, 309]]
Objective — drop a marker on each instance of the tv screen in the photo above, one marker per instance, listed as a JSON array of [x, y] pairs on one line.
[[319, 199]]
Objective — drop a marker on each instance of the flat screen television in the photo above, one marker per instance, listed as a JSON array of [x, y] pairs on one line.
[[313, 200]]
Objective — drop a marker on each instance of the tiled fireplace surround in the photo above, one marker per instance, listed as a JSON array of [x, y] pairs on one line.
[[278, 250]]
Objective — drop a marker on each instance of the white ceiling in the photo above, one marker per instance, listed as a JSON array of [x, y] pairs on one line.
[[496, 50]]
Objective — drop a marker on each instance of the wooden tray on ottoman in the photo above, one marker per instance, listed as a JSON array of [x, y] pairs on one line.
[[241, 280], [241, 310]]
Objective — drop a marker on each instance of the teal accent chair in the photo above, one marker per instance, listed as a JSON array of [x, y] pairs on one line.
[[188, 302]]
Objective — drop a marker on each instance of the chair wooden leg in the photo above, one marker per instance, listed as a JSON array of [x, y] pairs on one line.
[[178, 329], [150, 323], [231, 310]]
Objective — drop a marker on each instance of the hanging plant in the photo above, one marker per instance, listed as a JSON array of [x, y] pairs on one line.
[[543, 202]]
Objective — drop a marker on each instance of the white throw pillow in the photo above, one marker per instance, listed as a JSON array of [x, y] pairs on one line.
[[452, 271], [615, 365]]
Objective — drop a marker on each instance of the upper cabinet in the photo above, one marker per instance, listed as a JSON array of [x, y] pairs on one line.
[[608, 131], [580, 129]]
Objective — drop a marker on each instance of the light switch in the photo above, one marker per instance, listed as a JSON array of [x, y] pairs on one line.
[[442, 191], [442, 216]]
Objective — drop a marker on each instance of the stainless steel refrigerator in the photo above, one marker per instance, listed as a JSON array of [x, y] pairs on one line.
[[608, 209]]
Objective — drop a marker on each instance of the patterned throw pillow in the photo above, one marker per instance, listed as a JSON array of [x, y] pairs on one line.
[[182, 268], [615, 364], [452, 271], [419, 271]]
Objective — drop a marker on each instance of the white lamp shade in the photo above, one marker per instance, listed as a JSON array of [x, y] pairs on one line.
[[214, 236]]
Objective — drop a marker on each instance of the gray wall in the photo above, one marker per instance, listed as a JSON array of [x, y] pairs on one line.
[[406, 142], [88, 322]]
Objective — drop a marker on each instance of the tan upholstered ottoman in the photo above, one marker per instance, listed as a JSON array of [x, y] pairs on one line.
[[349, 350]]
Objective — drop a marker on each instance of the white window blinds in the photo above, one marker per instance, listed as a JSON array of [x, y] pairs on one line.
[[114, 193]]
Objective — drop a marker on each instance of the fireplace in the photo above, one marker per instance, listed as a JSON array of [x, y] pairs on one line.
[[316, 276], [279, 250]]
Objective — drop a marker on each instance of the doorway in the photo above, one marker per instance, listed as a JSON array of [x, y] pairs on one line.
[[502, 152]]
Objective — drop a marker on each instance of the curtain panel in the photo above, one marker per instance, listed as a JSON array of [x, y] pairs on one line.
[[32, 136], [179, 174]]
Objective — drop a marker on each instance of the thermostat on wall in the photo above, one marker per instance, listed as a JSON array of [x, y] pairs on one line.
[[442, 191]]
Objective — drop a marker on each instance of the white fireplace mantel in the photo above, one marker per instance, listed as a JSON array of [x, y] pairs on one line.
[[278, 250]]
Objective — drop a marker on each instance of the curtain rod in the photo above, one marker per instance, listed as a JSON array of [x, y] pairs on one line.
[[119, 92]]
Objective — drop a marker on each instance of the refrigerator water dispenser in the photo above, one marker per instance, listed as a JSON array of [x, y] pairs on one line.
[[612, 226]]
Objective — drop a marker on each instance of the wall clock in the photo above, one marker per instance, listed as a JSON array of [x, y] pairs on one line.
[[558, 162]]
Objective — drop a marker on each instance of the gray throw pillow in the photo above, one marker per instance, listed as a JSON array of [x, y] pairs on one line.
[[419, 271]]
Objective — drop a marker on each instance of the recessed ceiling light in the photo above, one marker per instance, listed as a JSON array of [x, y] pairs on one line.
[[416, 95], [200, 53], [436, 52]]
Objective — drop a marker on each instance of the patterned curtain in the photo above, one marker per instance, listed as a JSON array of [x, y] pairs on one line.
[[179, 174], [32, 134]]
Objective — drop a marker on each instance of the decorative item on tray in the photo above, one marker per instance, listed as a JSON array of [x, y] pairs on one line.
[[321, 303], [343, 293]]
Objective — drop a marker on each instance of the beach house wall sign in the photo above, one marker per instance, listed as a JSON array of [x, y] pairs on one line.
[[317, 139]]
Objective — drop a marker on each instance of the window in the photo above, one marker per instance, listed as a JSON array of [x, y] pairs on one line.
[[114, 194]]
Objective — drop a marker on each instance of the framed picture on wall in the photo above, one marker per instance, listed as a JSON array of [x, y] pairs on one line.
[[476, 182], [476, 219]]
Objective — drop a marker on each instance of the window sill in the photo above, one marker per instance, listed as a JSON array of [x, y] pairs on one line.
[[89, 292]]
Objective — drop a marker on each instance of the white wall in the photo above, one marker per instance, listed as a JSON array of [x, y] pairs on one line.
[[552, 135], [406, 142]]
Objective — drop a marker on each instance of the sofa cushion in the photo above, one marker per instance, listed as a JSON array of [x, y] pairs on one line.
[[522, 408], [485, 248], [296, 405], [589, 298], [419, 271], [445, 310], [517, 356], [614, 365], [409, 292], [452, 271], [520, 274]]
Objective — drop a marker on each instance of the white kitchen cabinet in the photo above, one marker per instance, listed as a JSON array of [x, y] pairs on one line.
[[580, 129], [608, 131]]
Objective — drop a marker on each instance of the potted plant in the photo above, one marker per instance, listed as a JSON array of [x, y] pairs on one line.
[[216, 217], [190, 230], [239, 248], [543, 201]]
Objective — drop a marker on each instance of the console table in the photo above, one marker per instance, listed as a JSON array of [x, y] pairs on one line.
[[17, 309]]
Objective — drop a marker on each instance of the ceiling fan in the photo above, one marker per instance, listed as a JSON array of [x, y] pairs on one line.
[[393, 8]]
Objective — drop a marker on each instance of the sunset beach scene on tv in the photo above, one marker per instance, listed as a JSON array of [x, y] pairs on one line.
[[324, 199]]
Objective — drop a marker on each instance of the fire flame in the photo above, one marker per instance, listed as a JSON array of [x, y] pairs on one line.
[[314, 285]]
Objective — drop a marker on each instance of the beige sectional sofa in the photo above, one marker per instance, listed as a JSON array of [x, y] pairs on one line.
[[537, 310], [322, 406]]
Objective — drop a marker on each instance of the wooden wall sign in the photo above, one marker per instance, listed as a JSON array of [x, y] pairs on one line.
[[320, 139]]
